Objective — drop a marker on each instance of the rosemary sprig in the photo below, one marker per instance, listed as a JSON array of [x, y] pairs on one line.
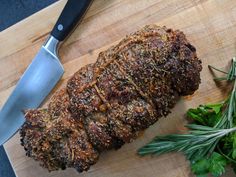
[[230, 111], [201, 140], [197, 144]]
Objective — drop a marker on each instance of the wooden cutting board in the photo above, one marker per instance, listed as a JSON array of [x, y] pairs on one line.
[[209, 24]]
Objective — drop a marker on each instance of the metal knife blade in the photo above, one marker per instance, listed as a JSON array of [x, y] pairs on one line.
[[36, 83], [42, 74]]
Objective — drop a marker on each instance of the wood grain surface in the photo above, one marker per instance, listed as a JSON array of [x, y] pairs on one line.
[[209, 24]]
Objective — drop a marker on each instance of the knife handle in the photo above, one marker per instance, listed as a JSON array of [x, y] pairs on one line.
[[69, 18]]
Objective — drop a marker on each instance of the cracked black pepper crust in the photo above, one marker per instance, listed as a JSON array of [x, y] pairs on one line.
[[106, 104]]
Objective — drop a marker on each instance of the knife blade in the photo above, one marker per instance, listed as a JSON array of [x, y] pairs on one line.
[[42, 74]]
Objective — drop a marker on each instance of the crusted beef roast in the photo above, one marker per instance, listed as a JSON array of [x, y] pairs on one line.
[[106, 104]]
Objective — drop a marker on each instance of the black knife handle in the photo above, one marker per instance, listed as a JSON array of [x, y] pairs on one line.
[[70, 16]]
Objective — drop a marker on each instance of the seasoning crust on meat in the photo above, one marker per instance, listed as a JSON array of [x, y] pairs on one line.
[[106, 104]]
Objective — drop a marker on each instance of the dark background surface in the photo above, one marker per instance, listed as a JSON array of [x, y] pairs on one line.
[[11, 12]]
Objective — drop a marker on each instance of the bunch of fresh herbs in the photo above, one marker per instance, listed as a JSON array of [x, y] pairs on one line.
[[210, 143]]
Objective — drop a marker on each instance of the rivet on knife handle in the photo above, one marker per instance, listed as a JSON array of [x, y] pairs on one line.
[[70, 16]]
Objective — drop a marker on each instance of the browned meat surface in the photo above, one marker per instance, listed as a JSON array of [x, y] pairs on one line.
[[57, 140], [106, 104]]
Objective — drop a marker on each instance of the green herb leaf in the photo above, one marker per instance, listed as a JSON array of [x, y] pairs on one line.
[[205, 175], [217, 164], [196, 115], [201, 167], [207, 115], [216, 107]]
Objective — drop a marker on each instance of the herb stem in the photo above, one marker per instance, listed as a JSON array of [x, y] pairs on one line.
[[226, 156], [220, 78], [212, 67]]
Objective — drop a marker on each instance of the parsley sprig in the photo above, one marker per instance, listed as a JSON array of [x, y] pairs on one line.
[[210, 143]]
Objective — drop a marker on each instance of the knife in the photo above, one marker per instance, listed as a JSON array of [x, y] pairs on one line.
[[42, 74]]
